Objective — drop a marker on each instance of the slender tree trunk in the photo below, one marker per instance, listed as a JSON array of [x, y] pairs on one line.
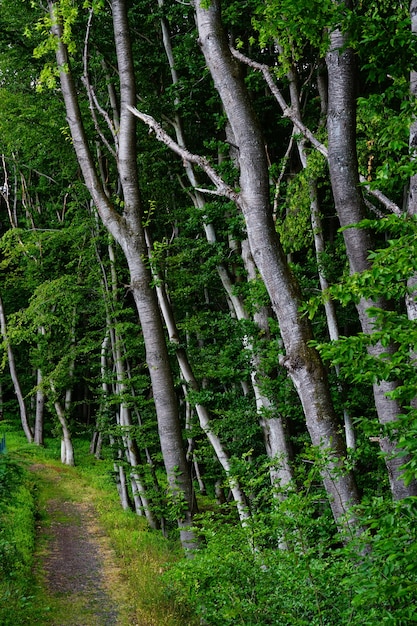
[[202, 412], [191, 457], [140, 498], [274, 426], [39, 410], [15, 379], [344, 176], [97, 438], [301, 360], [128, 232], [67, 450], [122, 487]]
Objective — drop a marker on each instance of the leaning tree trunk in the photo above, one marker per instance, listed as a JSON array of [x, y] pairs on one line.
[[318, 238], [13, 373], [128, 232], [344, 176], [67, 449], [273, 425], [301, 360]]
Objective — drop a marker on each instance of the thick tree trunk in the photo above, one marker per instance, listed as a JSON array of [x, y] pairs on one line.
[[128, 232], [344, 175], [302, 362], [273, 426], [15, 379], [318, 238]]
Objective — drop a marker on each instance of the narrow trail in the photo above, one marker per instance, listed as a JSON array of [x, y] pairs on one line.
[[75, 565]]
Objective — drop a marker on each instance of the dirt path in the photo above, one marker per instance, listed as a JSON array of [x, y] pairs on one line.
[[75, 564]]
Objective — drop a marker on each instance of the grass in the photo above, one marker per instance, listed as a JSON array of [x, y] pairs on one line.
[[17, 540], [141, 555]]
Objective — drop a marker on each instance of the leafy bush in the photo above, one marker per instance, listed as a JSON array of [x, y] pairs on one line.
[[286, 568]]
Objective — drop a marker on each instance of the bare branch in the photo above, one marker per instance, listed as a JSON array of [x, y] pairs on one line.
[[286, 110], [281, 175], [386, 202], [92, 98], [222, 189]]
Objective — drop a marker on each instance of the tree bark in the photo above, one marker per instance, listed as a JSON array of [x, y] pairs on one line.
[[302, 361], [39, 410], [318, 239], [67, 449], [202, 412]]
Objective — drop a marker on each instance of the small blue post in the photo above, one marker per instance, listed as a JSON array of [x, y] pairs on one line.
[[3, 449]]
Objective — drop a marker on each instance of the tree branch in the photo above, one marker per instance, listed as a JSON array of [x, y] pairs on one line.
[[188, 157], [291, 114], [92, 98]]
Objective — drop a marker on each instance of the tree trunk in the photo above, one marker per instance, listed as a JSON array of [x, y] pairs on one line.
[[67, 450], [318, 238], [302, 362], [15, 379], [344, 176], [128, 232], [39, 410], [202, 412], [122, 487], [274, 426]]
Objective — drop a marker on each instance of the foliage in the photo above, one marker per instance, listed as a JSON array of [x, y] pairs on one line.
[[240, 577], [383, 582], [291, 26], [392, 266]]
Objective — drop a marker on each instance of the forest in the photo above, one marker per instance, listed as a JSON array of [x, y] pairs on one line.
[[208, 286]]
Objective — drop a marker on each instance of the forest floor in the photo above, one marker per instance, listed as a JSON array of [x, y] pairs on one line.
[[75, 566]]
